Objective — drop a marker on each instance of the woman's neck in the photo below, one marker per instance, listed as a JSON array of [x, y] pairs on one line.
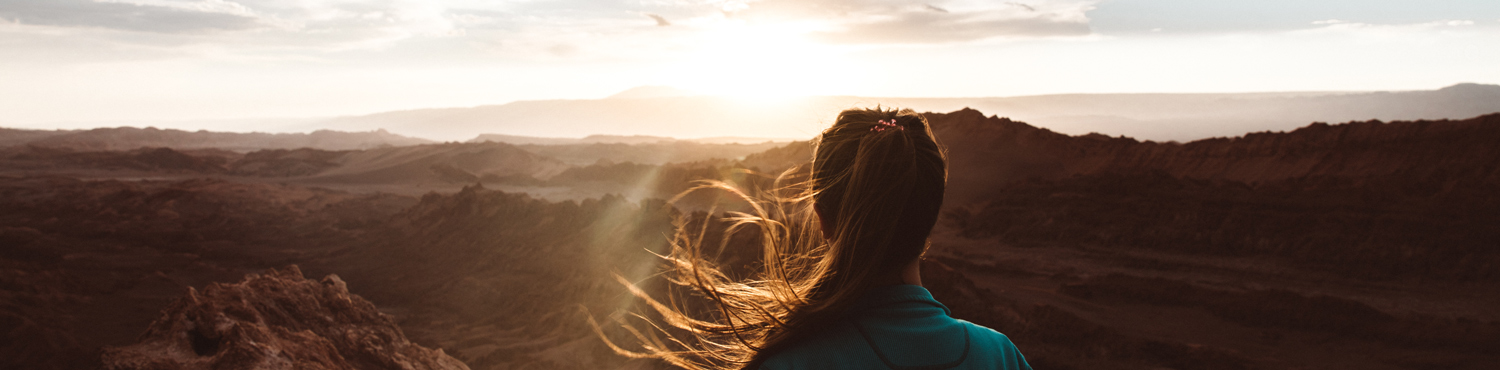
[[910, 274]]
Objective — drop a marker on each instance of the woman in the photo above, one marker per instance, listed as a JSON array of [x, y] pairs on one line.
[[839, 285]]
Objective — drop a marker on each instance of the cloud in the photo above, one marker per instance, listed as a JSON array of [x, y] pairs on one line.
[[297, 29], [921, 27], [659, 20], [126, 16], [1197, 16], [1340, 25], [471, 31]]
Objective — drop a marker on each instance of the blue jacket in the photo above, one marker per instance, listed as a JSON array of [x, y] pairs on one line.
[[901, 327]]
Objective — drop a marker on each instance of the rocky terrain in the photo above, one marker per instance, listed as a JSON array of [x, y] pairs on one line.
[[1363, 245], [1355, 245], [275, 320], [88, 264], [555, 171], [656, 153]]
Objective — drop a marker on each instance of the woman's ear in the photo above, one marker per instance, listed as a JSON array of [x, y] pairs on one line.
[[823, 223]]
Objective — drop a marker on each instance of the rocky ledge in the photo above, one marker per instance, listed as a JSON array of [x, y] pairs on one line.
[[275, 320]]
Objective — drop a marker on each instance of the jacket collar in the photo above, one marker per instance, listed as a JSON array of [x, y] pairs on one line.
[[891, 295]]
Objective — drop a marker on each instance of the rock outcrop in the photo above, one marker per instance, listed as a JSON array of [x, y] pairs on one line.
[[990, 152], [275, 320], [1368, 200]]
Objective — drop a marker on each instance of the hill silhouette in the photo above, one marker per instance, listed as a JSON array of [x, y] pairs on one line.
[[637, 149], [129, 138], [651, 92], [412, 169], [1158, 117], [999, 151], [10, 136], [615, 139]]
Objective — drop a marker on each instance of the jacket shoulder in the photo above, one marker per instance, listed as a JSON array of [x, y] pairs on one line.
[[840, 348], [992, 350]]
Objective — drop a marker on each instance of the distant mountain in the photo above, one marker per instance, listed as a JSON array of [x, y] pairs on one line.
[[591, 139], [990, 152], [617, 139], [1187, 117], [696, 116], [653, 153], [652, 92], [638, 149], [10, 136], [411, 166], [130, 138], [27, 159], [1159, 117], [436, 163], [737, 140]]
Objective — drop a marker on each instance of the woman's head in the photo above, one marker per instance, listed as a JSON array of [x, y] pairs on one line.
[[877, 185], [829, 231]]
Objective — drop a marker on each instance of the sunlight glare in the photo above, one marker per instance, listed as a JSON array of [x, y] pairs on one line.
[[759, 63]]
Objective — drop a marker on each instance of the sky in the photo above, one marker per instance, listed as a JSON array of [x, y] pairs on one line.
[[65, 63]]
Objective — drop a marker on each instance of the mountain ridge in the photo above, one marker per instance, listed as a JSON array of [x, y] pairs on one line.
[[1147, 116], [129, 138], [1033, 152]]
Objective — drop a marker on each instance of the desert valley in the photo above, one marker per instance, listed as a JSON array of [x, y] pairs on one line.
[[1357, 244]]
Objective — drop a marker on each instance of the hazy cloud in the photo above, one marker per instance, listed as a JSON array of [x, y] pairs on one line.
[[932, 27], [1197, 16], [256, 28], [659, 20], [890, 21], [602, 28], [877, 21], [463, 30], [130, 16]]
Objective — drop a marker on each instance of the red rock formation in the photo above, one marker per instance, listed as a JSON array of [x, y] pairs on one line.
[[987, 152], [276, 320], [156, 160], [1364, 199]]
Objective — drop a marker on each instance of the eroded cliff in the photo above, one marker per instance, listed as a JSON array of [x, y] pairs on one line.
[[275, 320]]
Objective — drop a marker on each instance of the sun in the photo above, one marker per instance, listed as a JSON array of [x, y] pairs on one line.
[[760, 62]]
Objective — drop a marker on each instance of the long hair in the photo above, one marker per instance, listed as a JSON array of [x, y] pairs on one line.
[[876, 178]]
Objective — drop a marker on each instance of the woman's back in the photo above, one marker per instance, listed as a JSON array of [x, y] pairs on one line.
[[839, 278], [901, 327]]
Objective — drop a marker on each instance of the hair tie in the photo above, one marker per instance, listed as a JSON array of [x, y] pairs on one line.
[[881, 125]]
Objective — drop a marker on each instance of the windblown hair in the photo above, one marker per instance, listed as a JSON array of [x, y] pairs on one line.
[[877, 177]]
